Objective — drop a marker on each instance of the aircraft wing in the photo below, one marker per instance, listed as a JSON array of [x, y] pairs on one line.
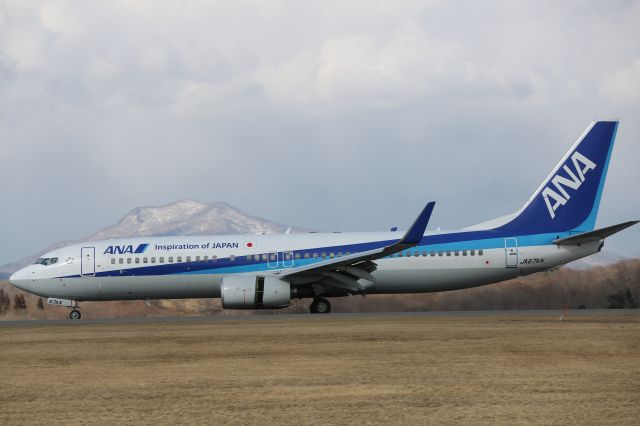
[[345, 271], [596, 235]]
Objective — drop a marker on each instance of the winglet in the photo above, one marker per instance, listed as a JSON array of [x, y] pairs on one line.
[[416, 232]]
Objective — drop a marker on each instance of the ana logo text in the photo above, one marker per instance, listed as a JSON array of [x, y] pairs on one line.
[[126, 249], [560, 196]]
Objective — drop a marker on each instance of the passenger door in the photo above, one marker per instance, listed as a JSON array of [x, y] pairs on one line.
[[511, 252], [88, 261]]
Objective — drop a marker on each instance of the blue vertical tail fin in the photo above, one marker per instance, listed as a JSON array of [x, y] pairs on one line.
[[569, 197]]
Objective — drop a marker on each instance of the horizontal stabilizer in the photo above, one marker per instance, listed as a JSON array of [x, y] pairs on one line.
[[596, 235]]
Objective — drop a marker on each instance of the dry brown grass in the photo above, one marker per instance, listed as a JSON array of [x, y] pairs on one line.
[[407, 370]]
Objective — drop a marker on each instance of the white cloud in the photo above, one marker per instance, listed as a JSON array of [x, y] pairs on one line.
[[369, 70], [622, 87]]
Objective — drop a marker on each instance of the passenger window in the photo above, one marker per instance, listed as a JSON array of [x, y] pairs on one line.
[[315, 255], [145, 260], [232, 258], [464, 252], [297, 256], [480, 252], [197, 258], [214, 258], [264, 257], [448, 253], [170, 259], [331, 255], [339, 254], [161, 260], [399, 254], [188, 259], [439, 253], [137, 260], [179, 259], [256, 257], [206, 258], [113, 261], [433, 253], [424, 254], [287, 256], [128, 260], [347, 253], [457, 253], [324, 254], [306, 255], [272, 257], [153, 260], [121, 261], [472, 252]]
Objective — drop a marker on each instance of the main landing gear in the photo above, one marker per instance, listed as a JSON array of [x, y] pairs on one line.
[[320, 306]]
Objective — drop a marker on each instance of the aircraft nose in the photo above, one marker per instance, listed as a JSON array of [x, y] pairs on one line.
[[20, 280]]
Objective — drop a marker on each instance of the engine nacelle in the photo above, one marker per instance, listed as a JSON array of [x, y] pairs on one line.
[[254, 292]]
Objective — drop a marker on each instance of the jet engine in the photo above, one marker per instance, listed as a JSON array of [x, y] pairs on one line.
[[255, 292]]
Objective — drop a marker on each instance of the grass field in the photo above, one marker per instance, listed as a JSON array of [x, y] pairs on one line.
[[324, 370]]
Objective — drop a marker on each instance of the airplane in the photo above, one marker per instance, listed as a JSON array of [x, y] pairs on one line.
[[555, 226]]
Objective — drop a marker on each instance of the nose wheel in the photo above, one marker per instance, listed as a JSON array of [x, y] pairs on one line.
[[320, 306], [75, 314]]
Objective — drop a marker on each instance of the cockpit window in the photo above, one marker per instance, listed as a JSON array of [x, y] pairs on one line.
[[46, 261]]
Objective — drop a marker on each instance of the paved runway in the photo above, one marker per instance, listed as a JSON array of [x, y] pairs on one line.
[[309, 317]]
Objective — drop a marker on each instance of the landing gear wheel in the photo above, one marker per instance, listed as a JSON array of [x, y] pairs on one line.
[[75, 314], [320, 306]]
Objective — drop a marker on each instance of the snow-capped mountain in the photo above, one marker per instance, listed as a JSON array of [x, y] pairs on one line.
[[187, 217]]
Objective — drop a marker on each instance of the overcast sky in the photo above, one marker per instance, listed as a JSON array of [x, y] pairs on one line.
[[335, 115]]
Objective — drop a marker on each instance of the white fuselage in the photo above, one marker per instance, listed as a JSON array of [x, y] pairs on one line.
[[193, 267]]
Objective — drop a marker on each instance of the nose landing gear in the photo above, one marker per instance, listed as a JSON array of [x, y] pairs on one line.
[[75, 313]]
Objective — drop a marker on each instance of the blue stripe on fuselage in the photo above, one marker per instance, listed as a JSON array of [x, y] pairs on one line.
[[468, 240]]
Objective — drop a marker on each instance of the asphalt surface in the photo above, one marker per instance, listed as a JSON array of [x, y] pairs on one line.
[[310, 317]]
